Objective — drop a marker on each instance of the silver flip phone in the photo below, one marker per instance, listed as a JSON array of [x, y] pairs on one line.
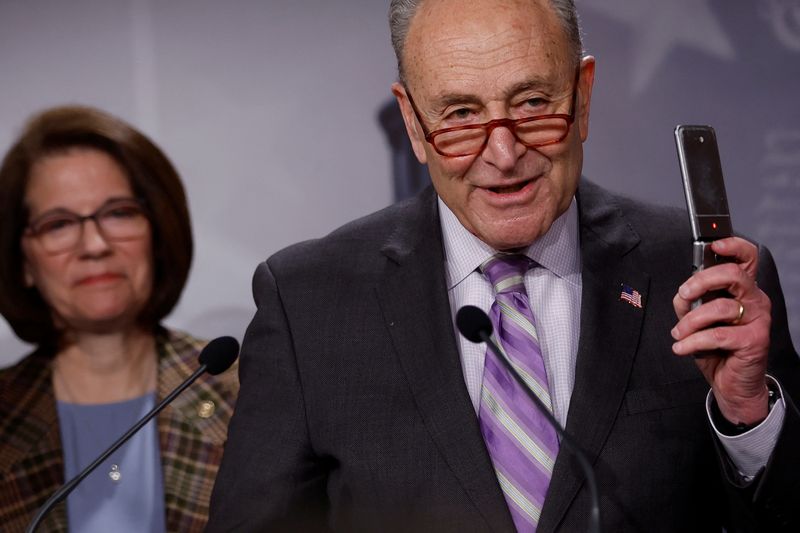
[[705, 196]]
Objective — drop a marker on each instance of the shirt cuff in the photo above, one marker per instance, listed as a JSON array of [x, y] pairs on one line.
[[750, 451]]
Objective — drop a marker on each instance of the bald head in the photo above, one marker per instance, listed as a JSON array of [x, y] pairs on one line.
[[402, 13]]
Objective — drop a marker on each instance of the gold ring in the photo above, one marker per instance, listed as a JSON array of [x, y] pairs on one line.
[[741, 313]]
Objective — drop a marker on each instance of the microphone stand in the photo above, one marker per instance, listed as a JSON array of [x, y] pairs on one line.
[[64, 491], [566, 439]]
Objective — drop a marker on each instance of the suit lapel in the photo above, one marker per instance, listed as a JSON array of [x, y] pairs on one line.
[[609, 335], [32, 463], [190, 445], [413, 299]]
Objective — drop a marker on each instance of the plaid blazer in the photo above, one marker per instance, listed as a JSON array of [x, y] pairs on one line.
[[192, 431]]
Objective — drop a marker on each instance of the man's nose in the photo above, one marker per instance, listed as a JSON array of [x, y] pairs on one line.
[[502, 149]]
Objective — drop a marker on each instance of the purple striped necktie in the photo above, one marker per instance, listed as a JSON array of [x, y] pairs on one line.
[[521, 442]]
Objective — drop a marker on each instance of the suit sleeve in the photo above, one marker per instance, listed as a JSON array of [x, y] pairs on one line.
[[770, 502], [270, 478]]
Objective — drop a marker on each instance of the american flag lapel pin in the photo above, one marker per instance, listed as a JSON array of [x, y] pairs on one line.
[[630, 295]]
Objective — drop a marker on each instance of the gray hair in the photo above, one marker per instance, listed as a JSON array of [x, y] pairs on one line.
[[401, 13]]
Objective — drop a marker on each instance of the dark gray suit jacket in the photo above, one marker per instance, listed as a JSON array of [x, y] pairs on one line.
[[354, 415]]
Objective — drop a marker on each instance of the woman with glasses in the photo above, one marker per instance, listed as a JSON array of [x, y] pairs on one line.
[[95, 248]]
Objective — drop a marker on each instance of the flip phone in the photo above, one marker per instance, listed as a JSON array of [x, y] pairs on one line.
[[706, 200]]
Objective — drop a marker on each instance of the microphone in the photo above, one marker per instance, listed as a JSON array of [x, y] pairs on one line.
[[217, 356], [476, 327]]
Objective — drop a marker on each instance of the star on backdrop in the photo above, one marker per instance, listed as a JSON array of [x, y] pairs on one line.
[[784, 17], [659, 26]]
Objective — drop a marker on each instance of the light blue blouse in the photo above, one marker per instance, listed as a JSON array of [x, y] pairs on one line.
[[126, 492]]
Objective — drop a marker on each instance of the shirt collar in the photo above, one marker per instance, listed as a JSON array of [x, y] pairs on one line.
[[557, 250]]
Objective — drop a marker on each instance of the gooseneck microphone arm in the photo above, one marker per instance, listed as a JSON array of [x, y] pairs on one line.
[[215, 358], [476, 327]]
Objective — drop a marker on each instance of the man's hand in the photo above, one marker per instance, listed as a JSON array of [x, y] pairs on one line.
[[738, 374]]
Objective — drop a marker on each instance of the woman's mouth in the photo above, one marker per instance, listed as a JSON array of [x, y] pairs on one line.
[[99, 279]]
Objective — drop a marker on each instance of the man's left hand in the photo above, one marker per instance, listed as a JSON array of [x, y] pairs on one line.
[[731, 333]]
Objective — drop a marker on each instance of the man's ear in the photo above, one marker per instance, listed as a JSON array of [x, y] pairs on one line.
[[413, 129], [585, 83]]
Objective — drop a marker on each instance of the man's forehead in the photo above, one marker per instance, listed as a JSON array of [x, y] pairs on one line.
[[458, 18], [447, 52]]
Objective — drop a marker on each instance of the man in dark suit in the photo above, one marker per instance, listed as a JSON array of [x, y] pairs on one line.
[[362, 409]]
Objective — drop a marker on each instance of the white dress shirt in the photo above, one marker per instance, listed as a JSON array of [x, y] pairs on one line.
[[554, 290]]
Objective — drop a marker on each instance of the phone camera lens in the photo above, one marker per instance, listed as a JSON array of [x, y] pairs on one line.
[[702, 139]]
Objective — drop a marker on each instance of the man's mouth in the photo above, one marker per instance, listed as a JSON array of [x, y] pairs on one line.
[[509, 188]]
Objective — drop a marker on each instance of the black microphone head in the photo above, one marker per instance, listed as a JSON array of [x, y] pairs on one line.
[[219, 355], [471, 322]]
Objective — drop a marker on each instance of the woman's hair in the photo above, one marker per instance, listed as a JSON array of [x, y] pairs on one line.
[[153, 180]]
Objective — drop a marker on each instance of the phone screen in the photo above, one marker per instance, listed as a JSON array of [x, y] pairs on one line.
[[703, 182], [705, 174]]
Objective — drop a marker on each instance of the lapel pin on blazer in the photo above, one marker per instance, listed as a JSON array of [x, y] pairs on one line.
[[630, 295]]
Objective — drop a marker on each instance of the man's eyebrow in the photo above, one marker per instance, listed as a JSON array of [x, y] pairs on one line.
[[526, 86], [443, 101], [546, 85]]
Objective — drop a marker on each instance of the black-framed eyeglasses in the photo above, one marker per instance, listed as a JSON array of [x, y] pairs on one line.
[[61, 230], [533, 132]]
